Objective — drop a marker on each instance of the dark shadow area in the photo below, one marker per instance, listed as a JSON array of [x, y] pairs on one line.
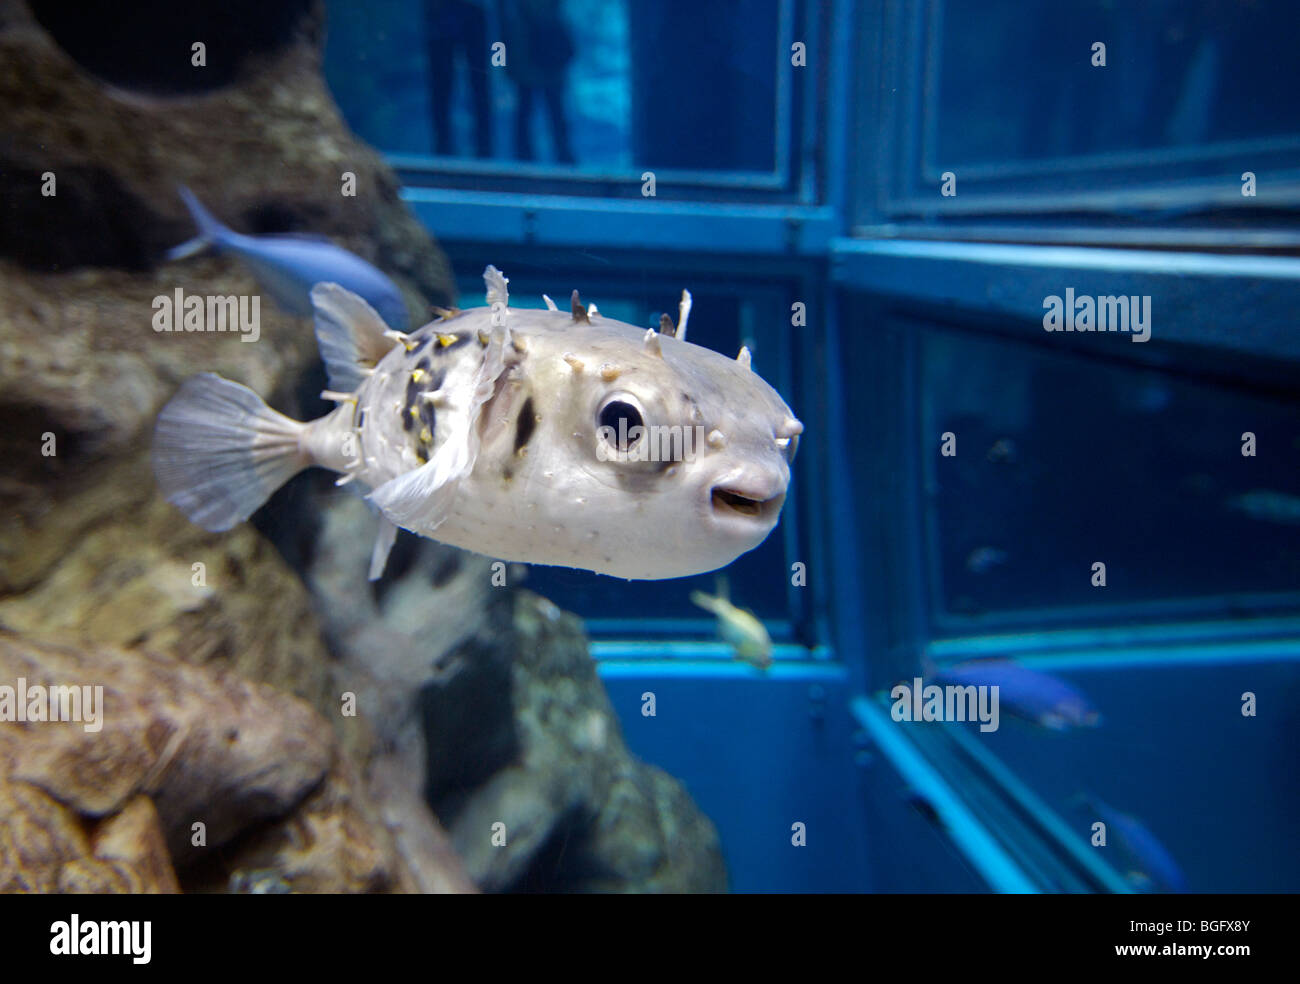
[[92, 220], [147, 47]]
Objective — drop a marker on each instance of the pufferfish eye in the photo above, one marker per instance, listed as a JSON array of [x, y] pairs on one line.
[[621, 416]]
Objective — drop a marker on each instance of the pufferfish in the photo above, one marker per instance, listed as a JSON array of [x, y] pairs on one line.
[[535, 436]]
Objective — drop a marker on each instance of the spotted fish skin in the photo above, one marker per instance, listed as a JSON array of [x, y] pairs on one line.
[[483, 429], [394, 417]]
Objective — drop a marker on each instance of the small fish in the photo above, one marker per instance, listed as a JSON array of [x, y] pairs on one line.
[[1156, 869], [983, 559], [1003, 452], [1268, 506], [1035, 696], [288, 266], [1151, 397], [532, 436], [739, 627]]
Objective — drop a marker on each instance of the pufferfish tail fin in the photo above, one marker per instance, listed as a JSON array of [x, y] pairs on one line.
[[219, 451]]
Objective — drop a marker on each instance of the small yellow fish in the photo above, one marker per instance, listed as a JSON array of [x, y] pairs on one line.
[[739, 627]]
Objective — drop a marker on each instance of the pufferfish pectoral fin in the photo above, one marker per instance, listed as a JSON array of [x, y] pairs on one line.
[[350, 334], [420, 499]]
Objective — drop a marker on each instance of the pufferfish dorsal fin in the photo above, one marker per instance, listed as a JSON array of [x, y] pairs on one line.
[[495, 281], [350, 333], [421, 498]]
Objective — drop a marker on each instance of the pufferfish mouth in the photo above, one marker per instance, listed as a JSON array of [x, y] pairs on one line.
[[745, 503]]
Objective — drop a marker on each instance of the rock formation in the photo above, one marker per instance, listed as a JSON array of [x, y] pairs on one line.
[[231, 663]]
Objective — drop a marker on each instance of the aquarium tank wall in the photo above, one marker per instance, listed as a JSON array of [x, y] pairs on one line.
[[319, 320]]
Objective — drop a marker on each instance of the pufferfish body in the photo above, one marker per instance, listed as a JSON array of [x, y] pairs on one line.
[[538, 436]]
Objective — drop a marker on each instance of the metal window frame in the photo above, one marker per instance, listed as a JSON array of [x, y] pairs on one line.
[[998, 291], [889, 264], [1025, 201]]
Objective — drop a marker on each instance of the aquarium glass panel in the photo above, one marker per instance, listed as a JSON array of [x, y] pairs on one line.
[[1017, 82], [591, 84], [1173, 767], [1062, 463]]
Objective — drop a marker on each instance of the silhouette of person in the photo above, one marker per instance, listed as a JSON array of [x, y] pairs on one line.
[[538, 52], [453, 26]]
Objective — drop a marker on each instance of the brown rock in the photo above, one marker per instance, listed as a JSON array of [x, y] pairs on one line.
[[206, 747], [333, 843], [99, 578], [108, 810], [38, 836], [46, 847], [132, 843], [129, 580]]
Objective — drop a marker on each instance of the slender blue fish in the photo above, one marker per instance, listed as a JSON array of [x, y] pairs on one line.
[[289, 266], [1030, 694], [1156, 868]]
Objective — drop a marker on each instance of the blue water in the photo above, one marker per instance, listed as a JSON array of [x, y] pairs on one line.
[[1173, 462]]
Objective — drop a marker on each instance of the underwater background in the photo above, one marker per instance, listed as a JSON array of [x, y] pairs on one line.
[[897, 206]]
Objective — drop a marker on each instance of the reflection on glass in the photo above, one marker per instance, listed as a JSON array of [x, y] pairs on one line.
[[1172, 770], [1018, 82], [540, 48], [599, 84], [1064, 462], [455, 38]]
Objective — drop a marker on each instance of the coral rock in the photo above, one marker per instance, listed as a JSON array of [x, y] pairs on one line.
[[208, 748]]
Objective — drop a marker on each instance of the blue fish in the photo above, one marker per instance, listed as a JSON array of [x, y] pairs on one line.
[[981, 560], [1158, 871], [289, 266], [1030, 694]]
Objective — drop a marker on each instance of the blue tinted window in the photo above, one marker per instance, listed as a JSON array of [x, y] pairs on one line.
[[1018, 82], [1063, 462], [598, 84]]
